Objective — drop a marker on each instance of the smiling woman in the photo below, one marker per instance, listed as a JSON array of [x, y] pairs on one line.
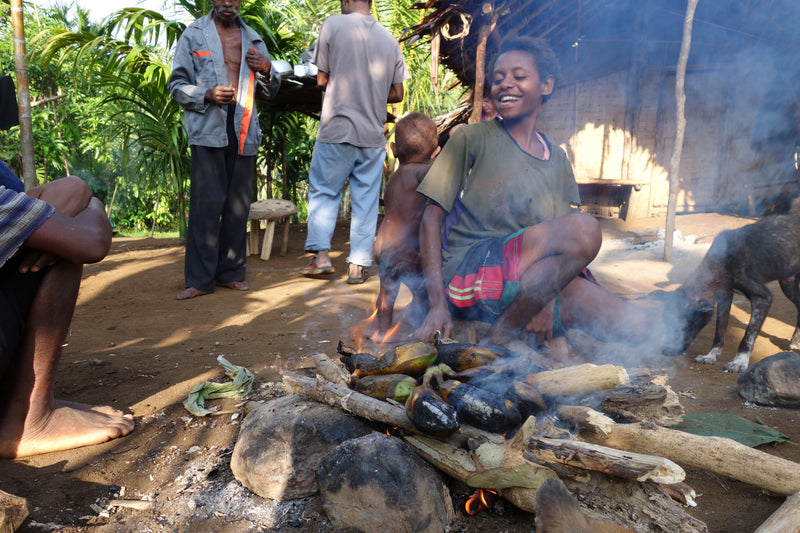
[[502, 240]]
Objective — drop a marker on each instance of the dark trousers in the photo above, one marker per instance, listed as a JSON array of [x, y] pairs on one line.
[[17, 292], [219, 205]]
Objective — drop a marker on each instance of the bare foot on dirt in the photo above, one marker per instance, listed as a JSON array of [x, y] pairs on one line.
[[235, 285], [69, 425], [190, 292]]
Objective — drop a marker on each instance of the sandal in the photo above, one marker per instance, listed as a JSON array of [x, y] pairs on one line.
[[312, 269], [358, 280]]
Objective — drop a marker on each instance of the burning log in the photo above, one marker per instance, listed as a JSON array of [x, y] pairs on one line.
[[577, 379], [500, 467], [603, 459], [786, 519], [715, 454]]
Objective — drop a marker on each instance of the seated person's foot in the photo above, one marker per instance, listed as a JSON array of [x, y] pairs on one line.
[[235, 285], [357, 274], [190, 292], [316, 268], [68, 425]]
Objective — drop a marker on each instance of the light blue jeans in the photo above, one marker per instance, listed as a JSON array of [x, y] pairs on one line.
[[332, 164]]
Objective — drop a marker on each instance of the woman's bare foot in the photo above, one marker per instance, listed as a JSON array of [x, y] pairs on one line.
[[68, 425], [190, 292]]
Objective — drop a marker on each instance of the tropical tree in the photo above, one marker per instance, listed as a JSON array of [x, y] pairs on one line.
[[134, 128]]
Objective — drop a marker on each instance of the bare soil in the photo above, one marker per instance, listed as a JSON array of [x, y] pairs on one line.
[[132, 345]]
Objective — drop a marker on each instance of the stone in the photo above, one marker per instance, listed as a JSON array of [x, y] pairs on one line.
[[13, 511], [377, 483], [774, 381], [282, 442]]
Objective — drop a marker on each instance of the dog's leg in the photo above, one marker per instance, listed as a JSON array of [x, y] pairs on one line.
[[760, 301], [724, 300], [791, 288]]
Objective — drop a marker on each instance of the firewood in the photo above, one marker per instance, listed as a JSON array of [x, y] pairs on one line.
[[333, 372], [603, 459], [13, 511], [348, 400], [786, 519], [577, 379], [681, 493], [641, 401], [715, 454], [499, 467]]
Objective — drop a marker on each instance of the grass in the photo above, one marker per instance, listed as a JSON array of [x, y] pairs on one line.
[[141, 234]]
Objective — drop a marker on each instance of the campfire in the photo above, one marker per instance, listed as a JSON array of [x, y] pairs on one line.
[[492, 420]]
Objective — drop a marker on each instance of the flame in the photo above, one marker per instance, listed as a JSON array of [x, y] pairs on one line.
[[480, 500], [359, 331], [386, 337]]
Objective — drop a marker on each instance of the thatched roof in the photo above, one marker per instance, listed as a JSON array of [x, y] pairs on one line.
[[596, 37]]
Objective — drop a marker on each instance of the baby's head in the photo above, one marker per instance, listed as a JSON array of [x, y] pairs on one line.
[[415, 139]]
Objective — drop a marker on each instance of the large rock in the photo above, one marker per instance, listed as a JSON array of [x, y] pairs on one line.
[[773, 381], [282, 442], [377, 483]]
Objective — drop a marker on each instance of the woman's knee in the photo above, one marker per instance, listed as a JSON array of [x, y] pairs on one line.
[[582, 234]]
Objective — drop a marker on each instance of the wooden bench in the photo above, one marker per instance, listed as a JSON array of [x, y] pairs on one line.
[[271, 211]]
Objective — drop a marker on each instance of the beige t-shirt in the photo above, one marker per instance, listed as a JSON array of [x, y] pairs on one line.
[[362, 60]]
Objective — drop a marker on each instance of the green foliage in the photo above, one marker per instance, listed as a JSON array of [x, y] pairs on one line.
[[113, 122]]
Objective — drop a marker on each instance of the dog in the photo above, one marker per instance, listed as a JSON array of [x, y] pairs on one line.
[[743, 260]]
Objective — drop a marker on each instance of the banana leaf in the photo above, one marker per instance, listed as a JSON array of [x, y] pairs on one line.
[[240, 386], [730, 426]]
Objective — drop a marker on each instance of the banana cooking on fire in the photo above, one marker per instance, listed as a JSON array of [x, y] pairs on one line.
[[479, 407], [397, 387], [411, 359], [429, 412], [461, 356]]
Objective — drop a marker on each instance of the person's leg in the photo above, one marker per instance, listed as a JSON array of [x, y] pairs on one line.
[[31, 421], [365, 186], [387, 295], [605, 316], [330, 167], [553, 253], [232, 262], [207, 194]]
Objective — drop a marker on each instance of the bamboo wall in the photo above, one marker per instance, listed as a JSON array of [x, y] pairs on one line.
[[588, 120]]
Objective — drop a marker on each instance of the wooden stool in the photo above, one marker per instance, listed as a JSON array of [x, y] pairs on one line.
[[270, 210]]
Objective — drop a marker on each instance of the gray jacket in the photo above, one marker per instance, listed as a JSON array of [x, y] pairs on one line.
[[198, 65]]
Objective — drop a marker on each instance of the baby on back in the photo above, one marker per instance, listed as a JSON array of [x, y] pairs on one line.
[[397, 240]]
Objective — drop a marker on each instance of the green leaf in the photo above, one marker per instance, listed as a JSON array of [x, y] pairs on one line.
[[239, 387], [730, 426]]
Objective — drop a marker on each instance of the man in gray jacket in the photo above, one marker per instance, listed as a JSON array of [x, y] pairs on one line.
[[216, 89]]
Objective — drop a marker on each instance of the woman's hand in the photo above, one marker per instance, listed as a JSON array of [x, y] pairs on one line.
[[438, 319], [541, 325]]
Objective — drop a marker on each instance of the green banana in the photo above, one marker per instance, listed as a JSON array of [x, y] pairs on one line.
[[411, 359], [397, 387]]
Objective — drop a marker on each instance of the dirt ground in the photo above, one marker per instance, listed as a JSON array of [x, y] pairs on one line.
[[134, 346]]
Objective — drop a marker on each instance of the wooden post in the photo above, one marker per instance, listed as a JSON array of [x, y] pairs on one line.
[[680, 127], [480, 62]]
